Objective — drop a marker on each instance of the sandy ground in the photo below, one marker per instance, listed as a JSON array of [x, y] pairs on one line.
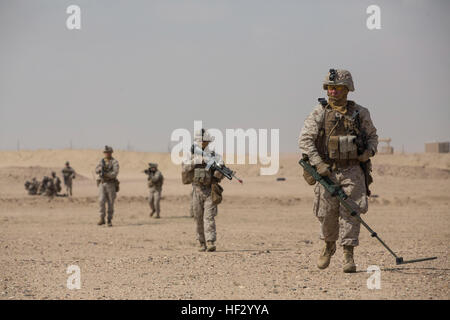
[[267, 235]]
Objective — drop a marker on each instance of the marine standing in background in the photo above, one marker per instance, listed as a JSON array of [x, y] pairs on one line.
[[206, 194], [68, 175], [155, 181], [339, 139], [107, 170]]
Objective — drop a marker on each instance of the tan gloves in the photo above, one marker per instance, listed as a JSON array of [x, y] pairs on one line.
[[365, 156], [218, 175], [323, 169], [308, 178]]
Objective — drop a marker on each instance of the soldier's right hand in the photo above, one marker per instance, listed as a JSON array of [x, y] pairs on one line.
[[323, 169]]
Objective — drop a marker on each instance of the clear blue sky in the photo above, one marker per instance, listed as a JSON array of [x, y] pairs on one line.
[[137, 70]]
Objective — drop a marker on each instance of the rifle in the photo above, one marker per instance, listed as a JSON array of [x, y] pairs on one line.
[[214, 161], [336, 191], [102, 172]]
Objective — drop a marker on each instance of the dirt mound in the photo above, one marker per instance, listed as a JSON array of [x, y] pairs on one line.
[[21, 174], [411, 172], [132, 164]]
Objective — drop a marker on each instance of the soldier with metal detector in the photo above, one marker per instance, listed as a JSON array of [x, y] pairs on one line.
[[339, 138]]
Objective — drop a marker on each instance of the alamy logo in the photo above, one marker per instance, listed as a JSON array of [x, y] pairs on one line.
[[235, 146], [73, 21], [374, 281], [374, 20], [74, 280]]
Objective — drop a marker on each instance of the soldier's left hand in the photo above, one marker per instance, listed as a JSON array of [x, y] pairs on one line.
[[365, 156], [218, 175]]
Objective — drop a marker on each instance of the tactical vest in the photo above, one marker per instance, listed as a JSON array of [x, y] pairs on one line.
[[158, 184], [336, 141]]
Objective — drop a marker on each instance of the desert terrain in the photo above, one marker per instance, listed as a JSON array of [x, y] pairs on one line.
[[267, 243]]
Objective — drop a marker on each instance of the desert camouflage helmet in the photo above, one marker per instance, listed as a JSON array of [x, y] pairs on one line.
[[152, 165], [203, 136], [108, 149], [67, 163], [337, 77]]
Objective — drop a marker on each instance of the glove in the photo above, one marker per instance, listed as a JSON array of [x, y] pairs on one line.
[[217, 175], [365, 156], [308, 178], [323, 169]]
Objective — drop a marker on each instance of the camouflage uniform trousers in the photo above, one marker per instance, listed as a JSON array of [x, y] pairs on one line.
[[204, 212], [68, 184], [107, 195], [191, 207], [328, 209], [154, 199]]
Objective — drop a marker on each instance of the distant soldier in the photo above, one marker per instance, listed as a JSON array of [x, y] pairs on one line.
[[155, 181], [107, 171], [56, 182], [27, 187], [43, 185], [68, 175], [330, 137], [50, 187], [205, 196], [32, 186]]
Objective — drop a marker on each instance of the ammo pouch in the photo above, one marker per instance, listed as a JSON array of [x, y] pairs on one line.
[[342, 148], [202, 176], [187, 176], [216, 193]]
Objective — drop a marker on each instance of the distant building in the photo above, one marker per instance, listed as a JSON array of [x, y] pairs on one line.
[[437, 147], [387, 148]]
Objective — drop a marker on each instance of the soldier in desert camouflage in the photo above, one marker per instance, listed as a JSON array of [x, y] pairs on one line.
[[43, 186], [68, 175], [328, 138], [56, 183], [155, 181], [107, 171], [204, 199], [32, 186], [50, 187]]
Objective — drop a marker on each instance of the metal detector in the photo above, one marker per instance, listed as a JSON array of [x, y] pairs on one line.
[[336, 191]]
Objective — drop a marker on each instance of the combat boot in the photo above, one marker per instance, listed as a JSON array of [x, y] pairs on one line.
[[325, 256], [349, 263], [152, 213], [157, 216], [109, 223], [210, 246], [102, 221], [202, 247]]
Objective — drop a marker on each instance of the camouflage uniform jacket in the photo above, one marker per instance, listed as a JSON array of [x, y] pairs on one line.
[[314, 123], [111, 170]]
